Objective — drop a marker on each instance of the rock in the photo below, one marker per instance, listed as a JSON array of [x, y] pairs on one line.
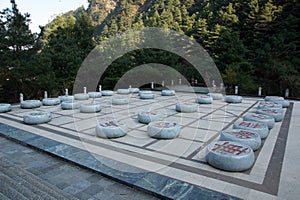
[[90, 108], [123, 91], [168, 92], [146, 95], [111, 129], [120, 100], [204, 99], [278, 116], [230, 156], [70, 105], [233, 99], [81, 96], [29, 104], [5, 107], [216, 96], [51, 101], [95, 94], [270, 105], [266, 119], [134, 90], [66, 98], [246, 137], [148, 116], [36, 117], [257, 127], [163, 130], [107, 93], [186, 107], [279, 100]]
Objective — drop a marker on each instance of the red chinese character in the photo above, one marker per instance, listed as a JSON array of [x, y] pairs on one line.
[[165, 124], [109, 123], [249, 124], [241, 134], [260, 116], [230, 148], [149, 113], [270, 111]]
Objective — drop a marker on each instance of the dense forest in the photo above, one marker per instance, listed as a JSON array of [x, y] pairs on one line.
[[254, 43]]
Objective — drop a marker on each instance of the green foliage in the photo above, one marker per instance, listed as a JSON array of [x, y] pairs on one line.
[[253, 43], [68, 43], [19, 59]]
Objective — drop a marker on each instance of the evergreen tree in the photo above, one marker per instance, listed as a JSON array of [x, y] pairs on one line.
[[67, 47], [19, 58], [229, 56]]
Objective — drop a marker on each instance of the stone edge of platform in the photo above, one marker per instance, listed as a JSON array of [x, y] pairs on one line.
[[151, 182]]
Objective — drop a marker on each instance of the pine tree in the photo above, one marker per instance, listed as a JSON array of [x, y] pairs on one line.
[[67, 47], [19, 50], [229, 56]]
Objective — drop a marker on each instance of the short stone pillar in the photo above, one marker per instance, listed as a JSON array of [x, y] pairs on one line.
[[259, 91], [45, 95], [66, 92], [152, 85], [180, 81], [287, 93], [84, 90], [236, 90], [221, 86], [21, 97], [100, 88]]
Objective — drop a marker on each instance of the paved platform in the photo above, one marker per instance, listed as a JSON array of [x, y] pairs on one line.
[[168, 168], [27, 173]]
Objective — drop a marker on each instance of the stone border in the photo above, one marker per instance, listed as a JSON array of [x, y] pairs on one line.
[[158, 185]]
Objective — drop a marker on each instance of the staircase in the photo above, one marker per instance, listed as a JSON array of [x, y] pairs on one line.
[[16, 183]]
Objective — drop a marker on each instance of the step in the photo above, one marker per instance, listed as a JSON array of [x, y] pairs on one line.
[[11, 187], [27, 184]]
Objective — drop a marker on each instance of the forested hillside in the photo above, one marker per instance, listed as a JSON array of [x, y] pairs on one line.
[[254, 43]]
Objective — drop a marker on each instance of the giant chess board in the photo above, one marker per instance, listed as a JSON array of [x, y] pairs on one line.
[[181, 159]]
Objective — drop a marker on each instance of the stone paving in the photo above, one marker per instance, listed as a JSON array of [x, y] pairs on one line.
[[74, 180], [170, 168]]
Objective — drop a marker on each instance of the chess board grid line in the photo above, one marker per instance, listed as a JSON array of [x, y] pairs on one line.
[[226, 127], [283, 129], [149, 158]]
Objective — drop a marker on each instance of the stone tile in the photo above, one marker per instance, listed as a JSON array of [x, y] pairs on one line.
[[72, 190], [178, 147], [104, 183], [63, 150], [94, 178], [132, 123], [254, 195], [197, 134], [82, 195], [138, 138], [93, 189], [61, 185], [237, 191], [104, 195], [82, 184], [209, 125], [183, 121], [61, 120], [79, 125]]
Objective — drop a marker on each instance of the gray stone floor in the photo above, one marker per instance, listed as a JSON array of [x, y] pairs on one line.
[[179, 167], [78, 182]]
